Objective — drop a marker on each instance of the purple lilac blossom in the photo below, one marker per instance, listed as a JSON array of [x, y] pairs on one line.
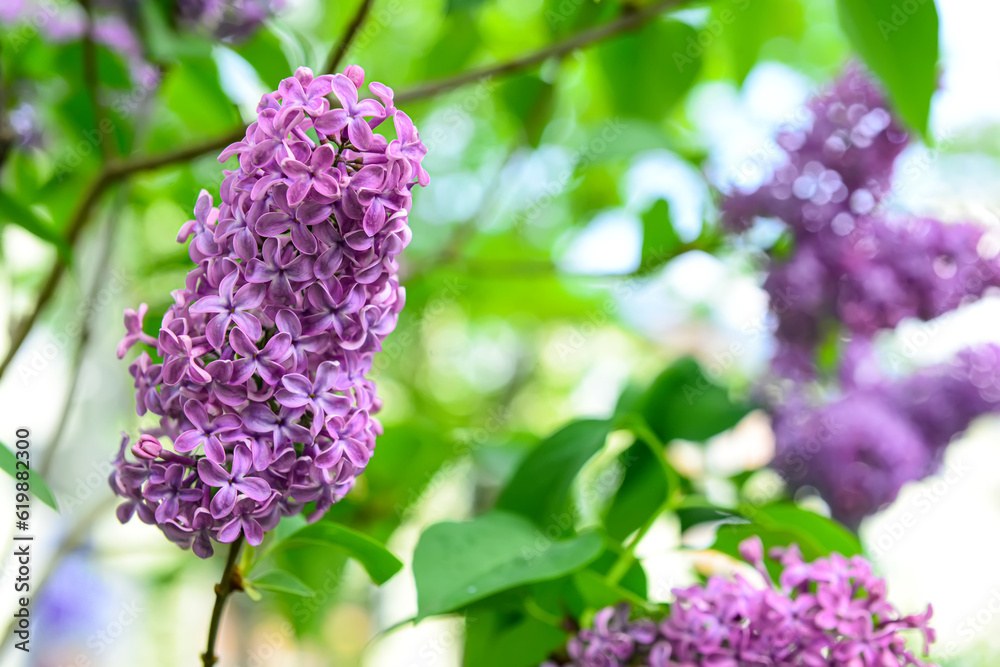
[[231, 20], [859, 450], [832, 611], [854, 271], [853, 265], [67, 22], [260, 380]]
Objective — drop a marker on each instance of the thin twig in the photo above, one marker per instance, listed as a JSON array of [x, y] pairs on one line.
[[580, 40], [110, 175], [68, 544], [6, 132], [338, 53], [128, 167], [86, 327], [583, 39], [92, 83], [131, 166], [76, 225], [230, 582]]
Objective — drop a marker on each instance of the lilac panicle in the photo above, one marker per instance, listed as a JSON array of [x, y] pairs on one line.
[[859, 450], [65, 22], [854, 266], [832, 611], [260, 377], [228, 19], [856, 270]]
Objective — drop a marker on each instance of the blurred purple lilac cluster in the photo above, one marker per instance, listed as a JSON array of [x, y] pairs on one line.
[[230, 20], [263, 355], [860, 449], [832, 611], [61, 22], [854, 265], [856, 270]]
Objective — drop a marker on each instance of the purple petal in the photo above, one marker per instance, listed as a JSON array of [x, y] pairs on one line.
[[222, 504], [254, 487], [212, 473], [253, 531], [229, 532], [259, 418], [247, 324]]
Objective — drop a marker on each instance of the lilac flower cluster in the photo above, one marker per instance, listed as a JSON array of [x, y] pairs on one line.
[[854, 271], [859, 451], [263, 355], [832, 611], [67, 22], [231, 20], [852, 265]]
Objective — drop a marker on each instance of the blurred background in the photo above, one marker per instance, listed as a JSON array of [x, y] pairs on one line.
[[529, 298]]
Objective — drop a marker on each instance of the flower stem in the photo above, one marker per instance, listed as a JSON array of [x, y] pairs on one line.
[[642, 431], [230, 582]]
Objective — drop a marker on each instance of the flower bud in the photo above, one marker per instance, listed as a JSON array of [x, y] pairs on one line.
[[147, 447]]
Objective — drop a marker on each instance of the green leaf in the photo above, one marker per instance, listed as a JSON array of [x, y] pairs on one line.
[[692, 514], [649, 71], [747, 28], [782, 524], [452, 6], [456, 564], [659, 238], [826, 534], [901, 47], [198, 78], [13, 211], [540, 487], [263, 51], [39, 489], [526, 641], [642, 491], [531, 101], [279, 581], [378, 561], [598, 593], [683, 403]]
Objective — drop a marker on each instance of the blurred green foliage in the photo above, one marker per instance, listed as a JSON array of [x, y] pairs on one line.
[[496, 333]]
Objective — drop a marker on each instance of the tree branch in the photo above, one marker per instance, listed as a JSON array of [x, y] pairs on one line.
[[583, 39], [6, 132], [578, 41], [110, 175], [338, 53], [76, 225], [125, 168], [90, 80], [229, 583]]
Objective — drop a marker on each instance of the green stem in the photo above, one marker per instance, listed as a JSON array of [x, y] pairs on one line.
[[642, 431], [229, 583], [547, 617]]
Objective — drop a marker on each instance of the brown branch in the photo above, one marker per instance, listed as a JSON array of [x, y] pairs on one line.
[[124, 168], [230, 582], [338, 53], [583, 39], [91, 81], [76, 225], [6, 132], [110, 175], [86, 327], [580, 40], [127, 167]]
